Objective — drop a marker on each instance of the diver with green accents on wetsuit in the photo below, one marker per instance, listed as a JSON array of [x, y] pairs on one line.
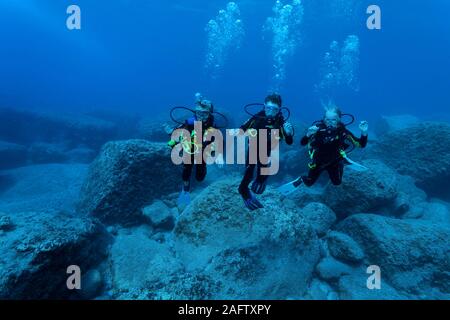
[[205, 114], [328, 141], [268, 119]]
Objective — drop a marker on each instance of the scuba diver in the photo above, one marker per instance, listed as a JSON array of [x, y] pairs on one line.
[[328, 141], [269, 118], [204, 112]]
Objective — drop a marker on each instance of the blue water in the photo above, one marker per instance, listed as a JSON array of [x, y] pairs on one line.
[[145, 56]]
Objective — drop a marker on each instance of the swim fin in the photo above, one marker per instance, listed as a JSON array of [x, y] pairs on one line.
[[184, 199], [258, 187], [290, 187], [355, 166], [252, 203]]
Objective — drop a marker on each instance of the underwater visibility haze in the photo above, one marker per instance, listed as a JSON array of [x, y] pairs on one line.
[[97, 99]]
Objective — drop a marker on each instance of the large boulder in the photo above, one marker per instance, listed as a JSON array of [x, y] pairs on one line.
[[420, 151], [354, 287], [434, 211], [388, 124], [344, 248], [160, 215], [414, 255], [319, 216], [243, 250], [37, 249], [363, 191], [139, 262], [437, 212], [154, 129], [330, 269], [28, 126], [12, 155], [320, 290], [409, 197], [126, 176]]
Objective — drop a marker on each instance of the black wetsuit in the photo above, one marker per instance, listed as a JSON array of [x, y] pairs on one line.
[[257, 122], [325, 149], [200, 168]]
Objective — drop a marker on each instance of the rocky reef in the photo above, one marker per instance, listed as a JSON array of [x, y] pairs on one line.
[[118, 219], [420, 151], [29, 137], [125, 177]]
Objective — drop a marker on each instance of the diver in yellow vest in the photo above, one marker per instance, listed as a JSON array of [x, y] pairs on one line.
[[269, 118], [328, 140], [204, 112]]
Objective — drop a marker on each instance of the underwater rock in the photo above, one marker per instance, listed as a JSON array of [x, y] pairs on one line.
[[243, 249], [436, 212], [41, 153], [160, 215], [354, 287], [344, 248], [330, 269], [319, 216], [409, 197], [320, 290], [81, 155], [392, 123], [183, 286], [413, 254], [125, 122], [46, 188], [5, 223], [294, 162], [125, 177], [34, 257], [12, 155], [153, 130], [304, 196], [138, 263], [91, 284], [420, 151], [27, 126], [363, 191]]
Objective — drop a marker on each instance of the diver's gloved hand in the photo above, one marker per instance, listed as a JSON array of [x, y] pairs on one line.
[[259, 186], [312, 131], [172, 143], [364, 127], [288, 129]]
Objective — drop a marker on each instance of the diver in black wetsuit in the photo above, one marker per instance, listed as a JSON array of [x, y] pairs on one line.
[[270, 118], [327, 142], [203, 112]]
